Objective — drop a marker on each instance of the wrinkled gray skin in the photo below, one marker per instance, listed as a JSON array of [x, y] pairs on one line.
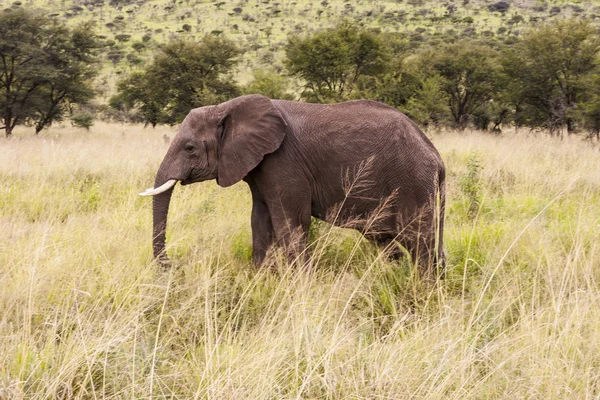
[[359, 164]]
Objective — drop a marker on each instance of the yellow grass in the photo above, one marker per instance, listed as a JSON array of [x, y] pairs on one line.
[[84, 313]]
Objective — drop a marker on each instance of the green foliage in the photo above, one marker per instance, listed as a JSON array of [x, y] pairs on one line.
[[241, 247], [269, 84], [492, 114], [46, 66], [428, 105], [138, 46], [588, 111], [471, 186], [123, 37], [440, 64], [183, 75], [83, 119], [469, 76], [115, 56], [500, 6], [330, 62], [549, 73], [134, 59]]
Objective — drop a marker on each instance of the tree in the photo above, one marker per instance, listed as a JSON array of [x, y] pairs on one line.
[[74, 66], [428, 105], [588, 109], [268, 84], [330, 62], [44, 65], [21, 41], [183, 75], [549, 71], [470, 75], [138, 46], [115, 56], [136, 92], [83, 119]]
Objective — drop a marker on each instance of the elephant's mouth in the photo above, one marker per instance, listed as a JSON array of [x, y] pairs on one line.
[[193, 177], [190, 180], [197, 175]]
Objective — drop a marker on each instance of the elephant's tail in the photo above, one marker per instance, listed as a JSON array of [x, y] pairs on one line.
[[440, 255]]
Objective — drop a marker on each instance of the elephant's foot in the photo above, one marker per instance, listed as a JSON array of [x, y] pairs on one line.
[[164, 261]]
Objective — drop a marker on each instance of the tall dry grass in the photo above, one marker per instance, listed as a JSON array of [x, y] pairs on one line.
[[84, 313]]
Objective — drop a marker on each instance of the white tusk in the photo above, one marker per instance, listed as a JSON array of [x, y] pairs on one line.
[[163, 188]]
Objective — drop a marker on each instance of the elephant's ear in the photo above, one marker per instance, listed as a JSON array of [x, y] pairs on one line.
[[251, 128]]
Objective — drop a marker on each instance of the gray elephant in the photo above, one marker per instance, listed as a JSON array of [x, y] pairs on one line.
[[359, 164]]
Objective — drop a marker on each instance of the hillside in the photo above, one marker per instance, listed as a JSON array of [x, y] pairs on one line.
[[131, 29]]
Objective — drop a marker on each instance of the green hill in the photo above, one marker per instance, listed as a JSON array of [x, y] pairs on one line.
[[131, 29]]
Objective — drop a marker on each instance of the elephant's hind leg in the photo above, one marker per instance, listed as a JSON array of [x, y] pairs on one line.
[[418, 233], [420, 240], [388, 243]]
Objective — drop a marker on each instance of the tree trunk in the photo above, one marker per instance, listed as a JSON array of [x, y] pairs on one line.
[[8, 127]]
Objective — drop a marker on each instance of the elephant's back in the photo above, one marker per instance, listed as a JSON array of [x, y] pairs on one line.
[[364, 145], [357, 129]]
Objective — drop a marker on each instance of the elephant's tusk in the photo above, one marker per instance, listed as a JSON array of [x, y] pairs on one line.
[[163, 188]]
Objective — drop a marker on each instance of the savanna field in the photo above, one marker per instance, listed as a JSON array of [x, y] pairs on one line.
[[85, 313]]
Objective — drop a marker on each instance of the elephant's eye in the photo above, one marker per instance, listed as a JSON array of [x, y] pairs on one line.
[[189, 148]]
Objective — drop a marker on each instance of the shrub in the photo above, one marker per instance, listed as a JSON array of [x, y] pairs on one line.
[[501, 6], [83, 119], [470, 184]]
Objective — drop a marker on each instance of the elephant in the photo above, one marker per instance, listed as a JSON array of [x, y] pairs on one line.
[[358, 164]]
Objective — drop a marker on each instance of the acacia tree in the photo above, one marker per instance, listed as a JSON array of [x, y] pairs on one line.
[[549, 72], [74, 65], [268, 84], [21, 50], [470, 75], [182, 76], [43, 65], [331, 62]]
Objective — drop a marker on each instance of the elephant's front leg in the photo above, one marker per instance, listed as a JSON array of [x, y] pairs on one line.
[[290, 226], [262, 231], [289, 210]]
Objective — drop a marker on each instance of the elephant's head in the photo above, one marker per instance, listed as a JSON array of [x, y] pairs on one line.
[[222, 142]]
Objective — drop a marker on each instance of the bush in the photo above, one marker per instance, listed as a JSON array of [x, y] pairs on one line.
[[471, 186], [269, 84], [123, 37], [83, 119], [501, 6]]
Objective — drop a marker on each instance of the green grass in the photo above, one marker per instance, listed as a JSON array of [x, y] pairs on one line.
[[85, 313]]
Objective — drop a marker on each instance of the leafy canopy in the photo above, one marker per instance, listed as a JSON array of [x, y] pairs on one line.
[[183, 75], [46, 67], [330, 62], [469, 74], [268, 84], [549, 72]]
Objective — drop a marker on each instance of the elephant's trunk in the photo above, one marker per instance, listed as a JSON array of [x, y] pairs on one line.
[[160, 211]]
